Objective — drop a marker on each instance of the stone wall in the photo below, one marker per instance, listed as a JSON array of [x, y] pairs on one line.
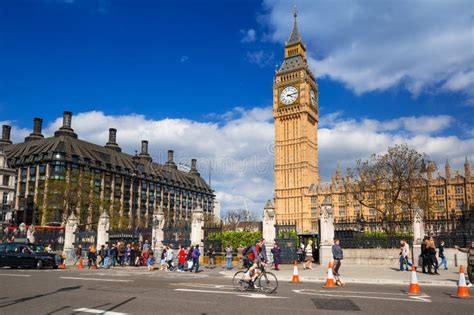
[[381, 256]]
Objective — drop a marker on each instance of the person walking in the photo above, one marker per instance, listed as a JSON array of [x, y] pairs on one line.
[[91, 256], [128, 254], [181, 258], [338, 255], [211, 254], [163, 258], [150, 259], [470, 261], [102, 255], [113, 255], [431, 249], [170, 258], [240, 256], [189, 258], [404, 252], [308, 255], [425, 256], [196, 254], [228, 255], [276, 253], [77, 254], [441, 256]]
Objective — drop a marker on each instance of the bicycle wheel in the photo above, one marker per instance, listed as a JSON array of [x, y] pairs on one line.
[[268, 282], [239, 282]]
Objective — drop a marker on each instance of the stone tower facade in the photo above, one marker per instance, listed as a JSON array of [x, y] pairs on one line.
[[295, 110]]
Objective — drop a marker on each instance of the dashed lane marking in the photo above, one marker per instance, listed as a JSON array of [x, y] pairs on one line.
[[13, 275], [96, 279], [369, 295], [96, 311], [205, 285], [247, 295]]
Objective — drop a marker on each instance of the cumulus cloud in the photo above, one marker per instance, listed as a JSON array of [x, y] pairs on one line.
[[238, 145], [248, 36], [183, 59], [260, 58], [379, 45]]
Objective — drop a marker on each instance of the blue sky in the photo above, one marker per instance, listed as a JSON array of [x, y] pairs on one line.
[[197, 76]]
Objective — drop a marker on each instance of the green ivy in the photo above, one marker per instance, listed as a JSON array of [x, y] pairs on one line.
[[234, 239]]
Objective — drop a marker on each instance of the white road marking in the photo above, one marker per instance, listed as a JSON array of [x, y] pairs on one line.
[[422, 298], [95, 311], [205, 285], [97, 279], [249, 295], [13, 275]]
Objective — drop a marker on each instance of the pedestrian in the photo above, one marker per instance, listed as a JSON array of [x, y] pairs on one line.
[[128, 254], [181, 258], [240, 256], [338, 255], [431, 249], [300, 252], [425, 258], [163, 258], [276, 252], [470, 262], [102, 255], [228, 255], [309, 255], [77, 254], [113, 255], [189, 258], [211, 254], [196, 254], [150, 259], [170, 258], [404, 252], [91, 256], [443, 262], [120, 254]]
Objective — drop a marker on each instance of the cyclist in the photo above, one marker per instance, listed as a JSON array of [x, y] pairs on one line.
[[254, 256]]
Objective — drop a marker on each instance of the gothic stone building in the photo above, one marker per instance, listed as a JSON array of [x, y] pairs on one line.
[[298, 189], [7, 188], [63, 174]]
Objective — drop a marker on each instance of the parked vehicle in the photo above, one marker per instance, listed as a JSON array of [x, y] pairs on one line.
[[27, 255]]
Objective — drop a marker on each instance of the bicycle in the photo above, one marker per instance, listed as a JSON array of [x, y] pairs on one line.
[[266, 282]]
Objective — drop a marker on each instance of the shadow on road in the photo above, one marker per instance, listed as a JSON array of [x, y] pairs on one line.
[[6, 304]]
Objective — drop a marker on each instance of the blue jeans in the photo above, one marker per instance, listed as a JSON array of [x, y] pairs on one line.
[[229, 263], [444, 263], [195, 265], [403, 261]]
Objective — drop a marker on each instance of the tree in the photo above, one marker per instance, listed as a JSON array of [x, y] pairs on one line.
[[238, 219], [392, 183]]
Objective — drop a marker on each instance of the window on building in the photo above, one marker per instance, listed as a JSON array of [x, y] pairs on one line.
[[459, 203], [357, 210], [6, 180], [439, 191], [458, 190], [372, 212], [314, 200], [371, 196], [5, 199], [342, 198], [314, 212], [440, 204], [342, 211]]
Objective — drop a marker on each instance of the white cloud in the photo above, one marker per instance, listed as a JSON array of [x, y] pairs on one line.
[[260, 57], [248, 36], [240, 144], [183, 59], [372, 46]]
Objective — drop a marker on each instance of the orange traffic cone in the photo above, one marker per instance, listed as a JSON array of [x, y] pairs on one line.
[[414, 288], [296, 276], [330, 279], [463, 292], [81, 263], [63, 265], [94, 266]]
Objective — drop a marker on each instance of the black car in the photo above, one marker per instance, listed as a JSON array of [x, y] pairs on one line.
[[29, 255]]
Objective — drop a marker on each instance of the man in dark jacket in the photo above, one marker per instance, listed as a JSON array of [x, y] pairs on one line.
[[338, 255], [276, 252], [425, 256], [102, 254]]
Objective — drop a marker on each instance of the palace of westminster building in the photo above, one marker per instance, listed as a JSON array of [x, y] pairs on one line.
[[298, 188]]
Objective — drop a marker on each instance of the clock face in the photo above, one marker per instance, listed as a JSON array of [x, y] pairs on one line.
[[312, 97], [288, 95]]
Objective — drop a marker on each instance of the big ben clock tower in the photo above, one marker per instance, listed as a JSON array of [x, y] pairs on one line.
[[295, 109]]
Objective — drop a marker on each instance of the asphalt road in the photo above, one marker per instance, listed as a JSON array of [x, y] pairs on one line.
[[136, 291]]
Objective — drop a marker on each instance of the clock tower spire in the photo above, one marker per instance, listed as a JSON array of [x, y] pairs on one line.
[[295, 110]]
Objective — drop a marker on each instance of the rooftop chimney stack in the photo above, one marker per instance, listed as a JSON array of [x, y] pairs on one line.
[[144, 151], [194, 167], [37, 129], [6, 129], [112, 144], [170, 163], [66, 129]]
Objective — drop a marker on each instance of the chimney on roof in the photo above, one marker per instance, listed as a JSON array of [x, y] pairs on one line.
[[112, 144], [6, 129], [66, 129], [144, 152], [37, 128], [194, 167], [170, 163]]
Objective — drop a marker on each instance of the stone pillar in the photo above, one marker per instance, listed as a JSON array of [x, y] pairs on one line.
[[69, 238], [268, 227], [326, 233], [197, 227], [103, 230], [157, 230], [418, 233]]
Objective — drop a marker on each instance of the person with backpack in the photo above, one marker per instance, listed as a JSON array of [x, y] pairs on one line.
[[195, 255]]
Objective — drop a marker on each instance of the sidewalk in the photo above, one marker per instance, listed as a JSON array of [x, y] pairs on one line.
[[365, 274]]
